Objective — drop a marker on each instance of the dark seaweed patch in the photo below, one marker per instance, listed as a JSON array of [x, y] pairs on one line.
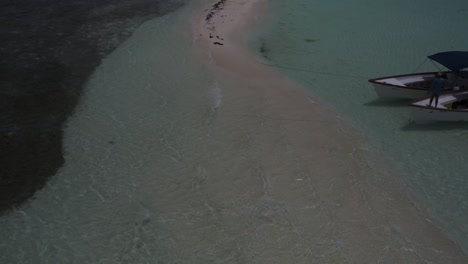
[[310, 40], [215, 9], [48, 50], [264, 49]]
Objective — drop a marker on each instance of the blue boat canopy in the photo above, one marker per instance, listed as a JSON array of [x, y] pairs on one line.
[[453, 60]]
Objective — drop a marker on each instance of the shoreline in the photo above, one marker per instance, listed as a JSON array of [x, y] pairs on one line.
[[221, 34], [43, 77]]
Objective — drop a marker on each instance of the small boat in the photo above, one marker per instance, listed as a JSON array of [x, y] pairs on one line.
[[451, 107], [416, 85]]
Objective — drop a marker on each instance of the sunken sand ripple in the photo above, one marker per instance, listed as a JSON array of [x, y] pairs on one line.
[[215, 158]]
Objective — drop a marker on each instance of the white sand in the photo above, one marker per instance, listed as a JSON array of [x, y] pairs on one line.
[[314, 167]]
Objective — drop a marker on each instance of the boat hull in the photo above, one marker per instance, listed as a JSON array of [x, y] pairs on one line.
[[406, 86], [445, 112], [413, 86]]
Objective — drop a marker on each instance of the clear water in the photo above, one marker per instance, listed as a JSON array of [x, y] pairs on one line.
[[165, 164], [339, 45], [125, 150]]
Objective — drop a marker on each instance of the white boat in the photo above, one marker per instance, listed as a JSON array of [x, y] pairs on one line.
[[451, 107], [416, 85], [410, 86]]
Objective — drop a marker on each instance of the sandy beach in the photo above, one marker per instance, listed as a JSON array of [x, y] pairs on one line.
[[311, 164]]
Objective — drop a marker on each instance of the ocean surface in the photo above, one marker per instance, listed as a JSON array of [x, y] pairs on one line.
[[48, 51], [333, 47], [143, 174]]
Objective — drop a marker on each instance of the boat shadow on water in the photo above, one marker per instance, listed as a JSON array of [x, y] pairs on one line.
[[379, 102], [435, 126]]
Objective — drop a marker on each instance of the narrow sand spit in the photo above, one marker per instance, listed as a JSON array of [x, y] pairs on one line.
[[321, 196]]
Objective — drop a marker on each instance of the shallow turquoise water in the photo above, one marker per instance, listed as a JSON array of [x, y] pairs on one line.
[[352, 41], [159, 170], [126, 150]]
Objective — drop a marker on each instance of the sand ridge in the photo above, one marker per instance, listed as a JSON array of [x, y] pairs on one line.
[[311, 160]]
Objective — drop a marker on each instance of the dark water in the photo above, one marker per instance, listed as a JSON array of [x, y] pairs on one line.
[[48, 50]]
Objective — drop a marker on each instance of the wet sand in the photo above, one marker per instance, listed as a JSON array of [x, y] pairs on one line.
[[48, 51], [339, 199]]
